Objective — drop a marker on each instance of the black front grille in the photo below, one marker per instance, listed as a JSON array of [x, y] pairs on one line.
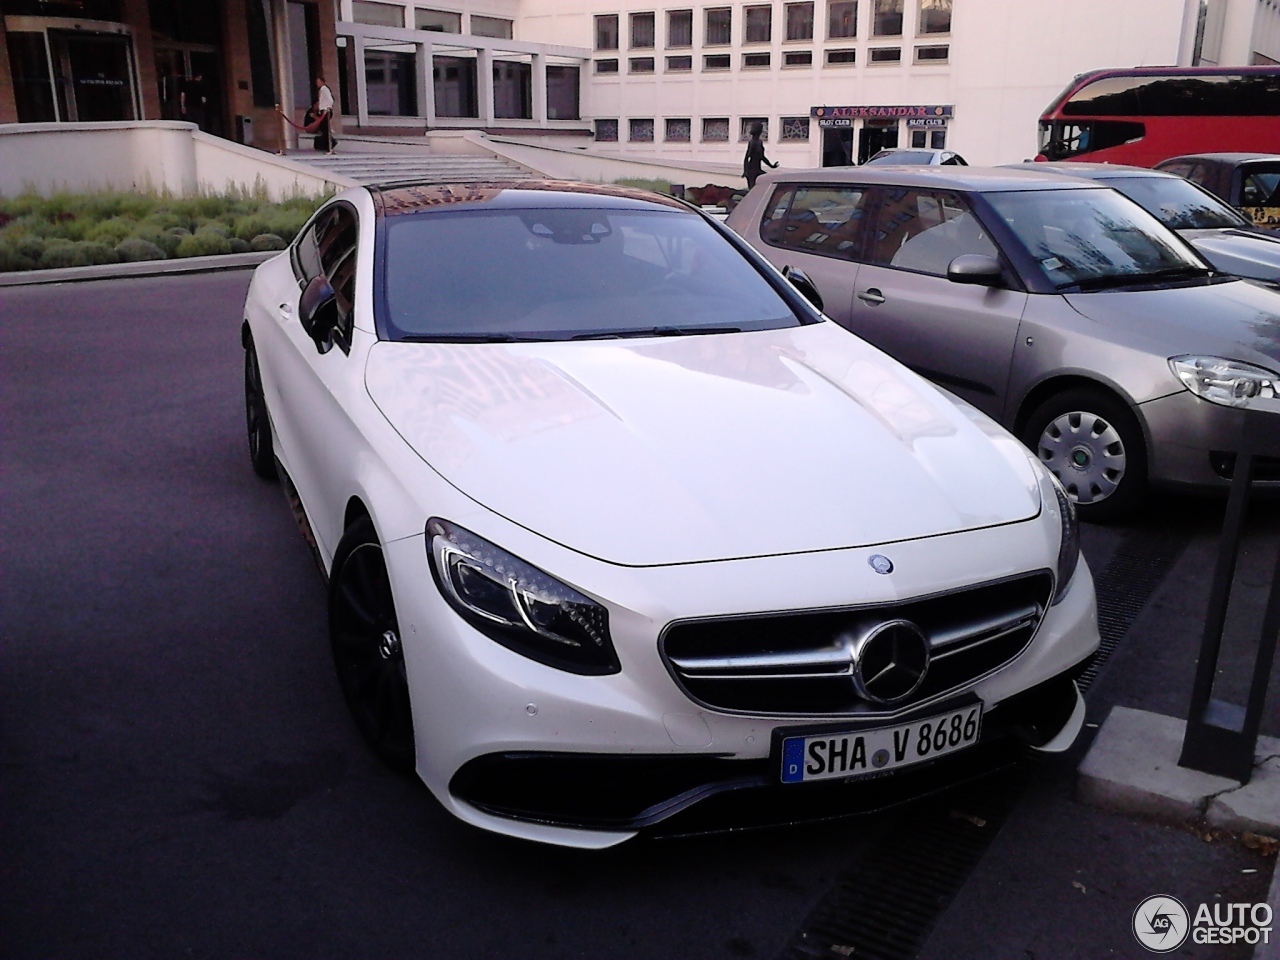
[[799, 662]]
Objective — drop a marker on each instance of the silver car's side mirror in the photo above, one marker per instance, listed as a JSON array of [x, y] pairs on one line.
[[975, 268]]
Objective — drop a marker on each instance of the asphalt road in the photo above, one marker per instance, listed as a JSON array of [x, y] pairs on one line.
[[178, 775]]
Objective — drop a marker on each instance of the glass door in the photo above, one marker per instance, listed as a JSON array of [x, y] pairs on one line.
[[94, 74]]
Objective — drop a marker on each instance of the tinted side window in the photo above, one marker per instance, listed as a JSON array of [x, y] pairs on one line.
[[924, 230], [336, 236], [1201, 96], [826, 219], [306, 258]]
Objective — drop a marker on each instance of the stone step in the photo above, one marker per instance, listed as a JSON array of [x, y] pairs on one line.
[[373, 168]]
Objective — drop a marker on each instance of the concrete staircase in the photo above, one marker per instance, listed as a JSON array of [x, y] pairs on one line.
[[432, 168]]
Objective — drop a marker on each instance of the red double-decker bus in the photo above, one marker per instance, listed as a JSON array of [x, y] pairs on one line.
[[1144, 115]]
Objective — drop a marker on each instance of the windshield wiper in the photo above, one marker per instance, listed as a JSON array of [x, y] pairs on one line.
[[1130, 279], [472, 338], [653, 332]]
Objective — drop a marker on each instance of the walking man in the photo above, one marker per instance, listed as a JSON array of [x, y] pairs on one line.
[[751, 163]]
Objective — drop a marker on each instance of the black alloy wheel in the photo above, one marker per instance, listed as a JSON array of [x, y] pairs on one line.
[[261, 452], [365, 637], [1091, 441]]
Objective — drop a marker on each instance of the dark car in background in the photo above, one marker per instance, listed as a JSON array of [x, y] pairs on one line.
[[1219, 233], [1250, 182], [1057, 306]]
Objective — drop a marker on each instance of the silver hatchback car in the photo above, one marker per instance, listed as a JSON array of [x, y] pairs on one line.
[[1059, 307]]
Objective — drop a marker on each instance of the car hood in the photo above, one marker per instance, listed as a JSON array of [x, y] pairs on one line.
[[658, 451], [1245, 254], [1238, 319]]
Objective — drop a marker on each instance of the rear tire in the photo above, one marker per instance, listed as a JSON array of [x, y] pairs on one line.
[[365, 637], [1091, 441]]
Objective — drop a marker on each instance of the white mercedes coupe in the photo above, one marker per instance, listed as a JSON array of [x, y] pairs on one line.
[[621, 534]]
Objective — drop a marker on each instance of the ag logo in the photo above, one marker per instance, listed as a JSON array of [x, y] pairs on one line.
[[1161, 923]]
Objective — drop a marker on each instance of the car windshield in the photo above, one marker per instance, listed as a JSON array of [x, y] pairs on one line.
[[1177, 203], [569, 273], [1092, 239], [903, 156]]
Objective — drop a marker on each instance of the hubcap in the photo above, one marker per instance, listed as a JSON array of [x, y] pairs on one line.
[[1085, 453]]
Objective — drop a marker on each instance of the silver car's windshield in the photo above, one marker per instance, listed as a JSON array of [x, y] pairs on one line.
[[1177, 203], [569, 273], [1092, 239]]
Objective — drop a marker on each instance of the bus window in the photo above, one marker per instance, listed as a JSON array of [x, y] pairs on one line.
[[1062, 141]]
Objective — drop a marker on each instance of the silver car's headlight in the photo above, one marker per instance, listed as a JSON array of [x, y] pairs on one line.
[[1069, 543], [1231, 383], [518, 605]]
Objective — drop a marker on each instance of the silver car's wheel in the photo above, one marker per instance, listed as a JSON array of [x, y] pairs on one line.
[[1093, 444], [1085, 453]]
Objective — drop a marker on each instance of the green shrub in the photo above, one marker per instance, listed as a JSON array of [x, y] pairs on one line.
[[267, 241], [77, 253], [213, 226], [113, 231], [14, 259], [653, 186], [203, 243], [238, 245], [135, 249]]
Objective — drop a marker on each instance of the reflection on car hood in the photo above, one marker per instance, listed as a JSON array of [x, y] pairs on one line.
[[657, 451], [1240, 252], [1239, 320]]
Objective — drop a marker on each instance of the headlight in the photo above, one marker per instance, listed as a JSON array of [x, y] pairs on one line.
[[517, 605], [1069, 544], [1228, 382]]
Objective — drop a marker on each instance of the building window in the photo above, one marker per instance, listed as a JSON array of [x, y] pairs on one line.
[[437, 21], [744, 128], [757, 24], [377, 14], [935, 16], [842, 19], [679, 131], [841, 58], [799, 21], [935, 54], [607, 131], [680, 28], [490, 27], [938, 139], [641, 131], [717, 61], [719, 27], [607, 32], [640, 65], [755, 61], [563, 84], [795, 128], [679, 64], [884, 55], [918, 139], [715, 130], [606, 66], [642, 31], [886, 18], [798, 58]]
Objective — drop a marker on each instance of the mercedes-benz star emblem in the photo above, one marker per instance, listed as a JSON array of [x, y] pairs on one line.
[[880, 563], [890, 661]]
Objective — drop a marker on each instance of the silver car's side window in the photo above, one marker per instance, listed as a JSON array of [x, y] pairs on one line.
[[826, 219], [924, 230]]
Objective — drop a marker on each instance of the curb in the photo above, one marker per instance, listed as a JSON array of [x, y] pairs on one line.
[[141, 268]]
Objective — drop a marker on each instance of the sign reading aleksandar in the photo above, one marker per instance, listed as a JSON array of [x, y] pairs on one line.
[[844, 116]]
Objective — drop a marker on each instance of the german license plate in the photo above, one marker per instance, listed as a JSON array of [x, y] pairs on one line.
[[829, 756]]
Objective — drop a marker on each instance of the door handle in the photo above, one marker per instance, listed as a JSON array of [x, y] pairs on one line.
[[871, 295], [286, 309]]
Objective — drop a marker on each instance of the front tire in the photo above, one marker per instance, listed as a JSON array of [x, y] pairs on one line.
[[1093, 444], [365, 636], [257, 423]]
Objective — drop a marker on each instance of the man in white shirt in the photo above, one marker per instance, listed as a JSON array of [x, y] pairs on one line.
[[324, 114]]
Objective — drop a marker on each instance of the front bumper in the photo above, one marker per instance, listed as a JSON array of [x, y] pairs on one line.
[[502, 740], [1192, 443]]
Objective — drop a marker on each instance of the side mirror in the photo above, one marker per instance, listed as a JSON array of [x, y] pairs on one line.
[[808, 289], [314, 311], [975, 268]]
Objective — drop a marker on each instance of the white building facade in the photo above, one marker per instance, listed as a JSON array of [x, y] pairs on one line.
[[831, 80]]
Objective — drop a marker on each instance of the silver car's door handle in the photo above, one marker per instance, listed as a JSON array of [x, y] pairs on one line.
[[871, 295], [286, 309]]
